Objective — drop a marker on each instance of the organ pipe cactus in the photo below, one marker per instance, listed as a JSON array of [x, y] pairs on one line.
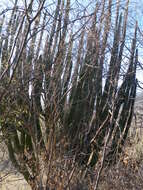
[[54, 92]]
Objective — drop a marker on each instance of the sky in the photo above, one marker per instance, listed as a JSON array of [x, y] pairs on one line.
[[135, 13]]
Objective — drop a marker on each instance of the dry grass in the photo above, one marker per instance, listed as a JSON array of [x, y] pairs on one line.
[[127, 174]]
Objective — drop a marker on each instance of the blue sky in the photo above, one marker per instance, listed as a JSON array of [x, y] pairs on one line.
[[135, 13]]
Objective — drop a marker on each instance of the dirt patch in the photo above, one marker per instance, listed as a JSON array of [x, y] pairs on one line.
[[10, 179]]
